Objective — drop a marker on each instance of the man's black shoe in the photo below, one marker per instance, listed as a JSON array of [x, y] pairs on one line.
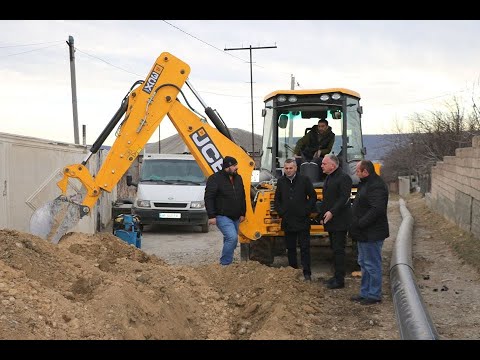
[[330, 281], [308, 277], [335, 284], [369, 301], [357, 298]]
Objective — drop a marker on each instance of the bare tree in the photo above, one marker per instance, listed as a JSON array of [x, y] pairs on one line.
[[433, 135]]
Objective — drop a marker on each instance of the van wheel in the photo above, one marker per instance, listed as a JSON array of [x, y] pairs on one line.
[[205, 228]]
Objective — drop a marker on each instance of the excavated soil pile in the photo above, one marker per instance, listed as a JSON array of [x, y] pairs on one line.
[[99, 287]]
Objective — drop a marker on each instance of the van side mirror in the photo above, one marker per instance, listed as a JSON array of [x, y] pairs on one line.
[[130, 182]]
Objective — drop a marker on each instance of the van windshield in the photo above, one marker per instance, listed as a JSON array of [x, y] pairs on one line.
[[172, 171]]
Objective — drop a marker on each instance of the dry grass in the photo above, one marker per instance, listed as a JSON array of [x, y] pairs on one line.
[[465, 245]]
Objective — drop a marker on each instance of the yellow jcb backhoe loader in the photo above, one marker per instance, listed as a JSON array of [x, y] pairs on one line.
[[287, 115]]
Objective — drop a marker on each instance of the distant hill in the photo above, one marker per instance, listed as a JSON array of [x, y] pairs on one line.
[[175, 144], [377, 145]]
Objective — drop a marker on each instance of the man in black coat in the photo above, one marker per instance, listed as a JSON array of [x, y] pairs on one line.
[[336, 214], [226, 205], [295, 200], [315, 144], [370, 228]]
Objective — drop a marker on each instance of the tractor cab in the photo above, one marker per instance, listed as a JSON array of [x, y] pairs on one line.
[[290, 114]]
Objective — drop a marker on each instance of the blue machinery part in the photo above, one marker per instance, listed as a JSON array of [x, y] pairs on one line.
[[127, 228]]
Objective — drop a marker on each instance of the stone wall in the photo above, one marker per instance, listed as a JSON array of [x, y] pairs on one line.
[[455, 189]]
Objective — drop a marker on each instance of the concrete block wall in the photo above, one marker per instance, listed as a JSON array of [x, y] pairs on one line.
[[404, 185], [455, 189]]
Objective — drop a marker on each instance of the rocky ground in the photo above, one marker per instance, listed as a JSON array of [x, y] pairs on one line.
[[98, 287], [447, 267]]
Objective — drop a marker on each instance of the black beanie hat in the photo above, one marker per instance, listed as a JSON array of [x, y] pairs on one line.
[[229, 161]]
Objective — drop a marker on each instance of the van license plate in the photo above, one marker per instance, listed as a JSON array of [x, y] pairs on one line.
[[170, 215]]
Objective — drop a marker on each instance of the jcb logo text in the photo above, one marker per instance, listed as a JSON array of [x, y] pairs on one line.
[[208, 149]]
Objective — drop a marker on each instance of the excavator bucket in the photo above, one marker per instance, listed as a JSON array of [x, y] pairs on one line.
[[52, 220]]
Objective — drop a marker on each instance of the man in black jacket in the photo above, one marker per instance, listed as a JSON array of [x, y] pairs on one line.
[[295, 200], [315, 144], [370, 229], [336, 214], [226, 205]]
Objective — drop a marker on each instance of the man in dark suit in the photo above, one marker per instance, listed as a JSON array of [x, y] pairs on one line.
[[336, 214], [369, 229], [295, 200]]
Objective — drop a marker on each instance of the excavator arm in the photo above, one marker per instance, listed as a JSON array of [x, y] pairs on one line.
[[209, 147], [144, 108]]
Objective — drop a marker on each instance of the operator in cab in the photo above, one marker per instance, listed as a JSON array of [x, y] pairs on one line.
[[316, 143]]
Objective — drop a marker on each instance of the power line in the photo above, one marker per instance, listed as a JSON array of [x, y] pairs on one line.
[[43, 43], [239, 96], [427, 99], [216, 48], [28, 51], [236, 96], [185, 32], [106, 62], [117, 67], [206, 43], [58, 42]]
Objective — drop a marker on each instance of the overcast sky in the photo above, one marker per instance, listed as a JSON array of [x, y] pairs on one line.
[[399, 67]]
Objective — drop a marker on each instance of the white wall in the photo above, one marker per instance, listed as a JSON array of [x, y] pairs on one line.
[[26, 165]]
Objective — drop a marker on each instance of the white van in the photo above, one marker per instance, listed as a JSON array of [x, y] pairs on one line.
[[170, 191]]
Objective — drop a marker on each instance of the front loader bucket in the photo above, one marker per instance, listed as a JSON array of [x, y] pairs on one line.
[[52, 220]]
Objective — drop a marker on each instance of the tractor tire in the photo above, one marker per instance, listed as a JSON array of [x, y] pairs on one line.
[[244, 251], [261, 250], [279, 246]]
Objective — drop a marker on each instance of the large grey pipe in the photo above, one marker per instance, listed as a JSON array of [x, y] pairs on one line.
[[412, 315]]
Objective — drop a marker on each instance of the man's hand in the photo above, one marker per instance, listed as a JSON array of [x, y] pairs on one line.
[[298, 156], [242, 218], [327, 217], [317, 154], [212, 221]]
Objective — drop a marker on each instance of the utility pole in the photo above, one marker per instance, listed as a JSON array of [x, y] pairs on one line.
[[84, 134], [159, 140], [251, 79], [74, 89], [292, 87]]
